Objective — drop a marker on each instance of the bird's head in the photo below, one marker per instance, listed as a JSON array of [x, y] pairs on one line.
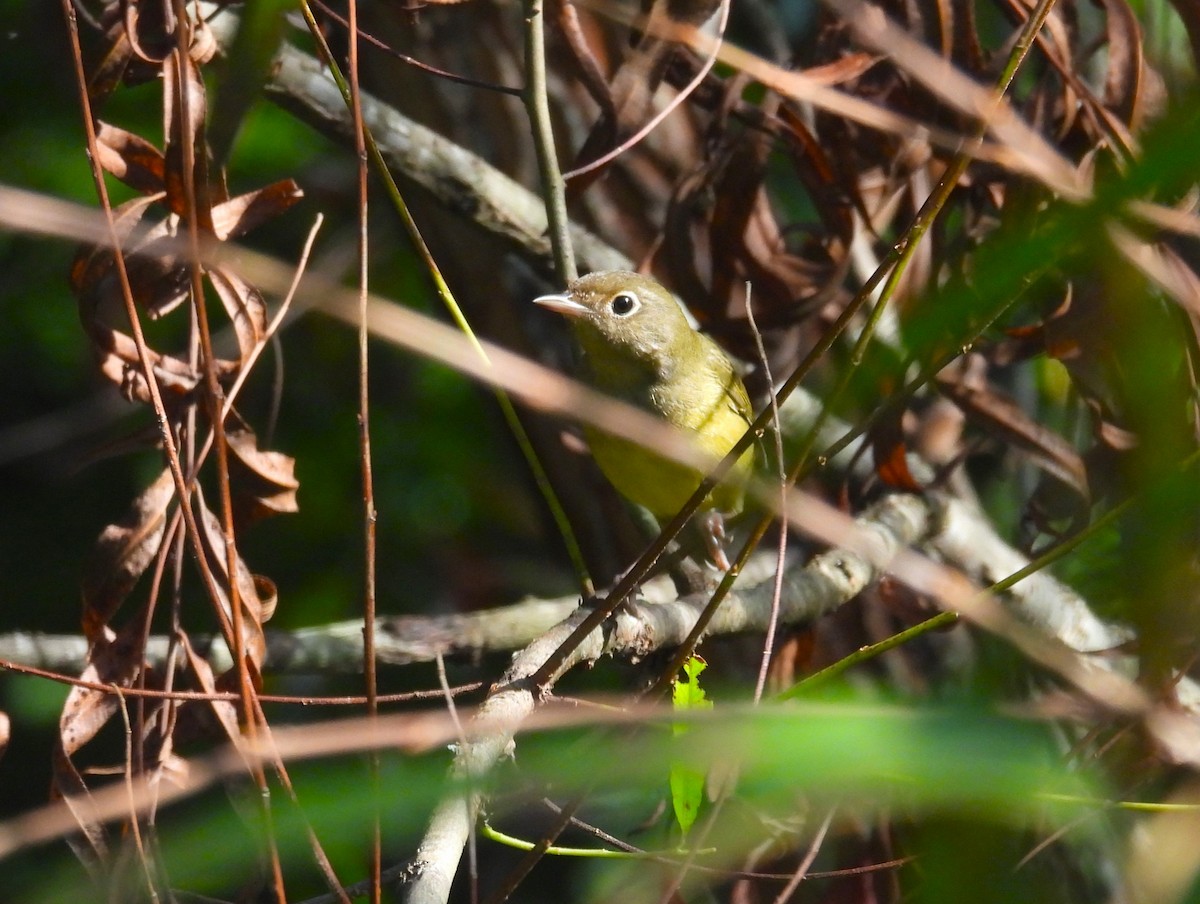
[[623, 317]]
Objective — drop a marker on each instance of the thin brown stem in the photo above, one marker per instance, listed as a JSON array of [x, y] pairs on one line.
[[370, 515]]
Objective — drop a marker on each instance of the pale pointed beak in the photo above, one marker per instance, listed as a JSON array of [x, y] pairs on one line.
[[563, 304]]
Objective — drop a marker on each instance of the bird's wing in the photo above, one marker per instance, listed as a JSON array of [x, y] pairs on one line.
[[736, 397], [739, 400]]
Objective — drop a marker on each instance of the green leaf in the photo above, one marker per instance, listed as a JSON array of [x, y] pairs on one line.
[[687, 781]]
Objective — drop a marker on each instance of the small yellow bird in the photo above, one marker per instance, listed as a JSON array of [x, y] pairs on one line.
[[639, 347]]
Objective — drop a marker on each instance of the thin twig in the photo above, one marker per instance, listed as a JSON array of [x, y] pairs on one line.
[[537, 105], [148, 693], [180, 65], [777, 433], [534, 853], [273, 327], [450, 706], [370, 39], [369, 513], [802, 870], [709, 61], [134, 820], [941, 620]]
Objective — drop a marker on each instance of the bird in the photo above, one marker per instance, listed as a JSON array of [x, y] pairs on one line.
[[639, 346]]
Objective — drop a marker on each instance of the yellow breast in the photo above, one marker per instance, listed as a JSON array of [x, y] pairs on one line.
[[716, 413]]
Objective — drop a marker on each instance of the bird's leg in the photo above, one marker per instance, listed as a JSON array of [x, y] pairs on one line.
[[712, 528]]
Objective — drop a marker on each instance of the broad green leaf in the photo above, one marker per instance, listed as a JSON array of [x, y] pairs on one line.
[[687, 781]]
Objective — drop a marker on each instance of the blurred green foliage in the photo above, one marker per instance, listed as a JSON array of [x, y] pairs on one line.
[[994, 778]]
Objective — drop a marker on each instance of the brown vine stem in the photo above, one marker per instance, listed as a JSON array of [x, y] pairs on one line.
[[181, 63], [370, 514]]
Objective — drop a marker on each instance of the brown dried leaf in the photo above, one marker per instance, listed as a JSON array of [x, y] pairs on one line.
[[185, 127], [812, 165], [159, 283], [1126, 62], [212, 535], [268, 595], [130, 158], [223, 710], [107, 74], [121, 367], [1161, 264], [237, 216], [1005, 419], [245, 306], [891, 452], [266, 481], [1049, 336], [584, 63], [943, 35], [146, 30], [720, 222], [627, 103], [203, 46], [968, 52], [92, 262], [117, 355], [1116, 438], [66, 783], [122, 553], [641, 71], [174, 769], [115, 659], [273, 468], [158, 278]]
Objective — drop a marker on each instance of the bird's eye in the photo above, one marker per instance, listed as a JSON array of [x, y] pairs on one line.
[[624, 304]]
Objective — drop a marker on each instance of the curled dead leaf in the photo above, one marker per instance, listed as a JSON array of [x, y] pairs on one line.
[[268, 595], [245, 306], [234, 218], [131, 158], [123, 551], [223, 711], [1069, 495], [185, 108], [265, 480], [891, 451], [213, 539], [115, 659], [721, 233]]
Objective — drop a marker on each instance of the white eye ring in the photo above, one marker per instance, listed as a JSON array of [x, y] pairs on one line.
[[623, 304]]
